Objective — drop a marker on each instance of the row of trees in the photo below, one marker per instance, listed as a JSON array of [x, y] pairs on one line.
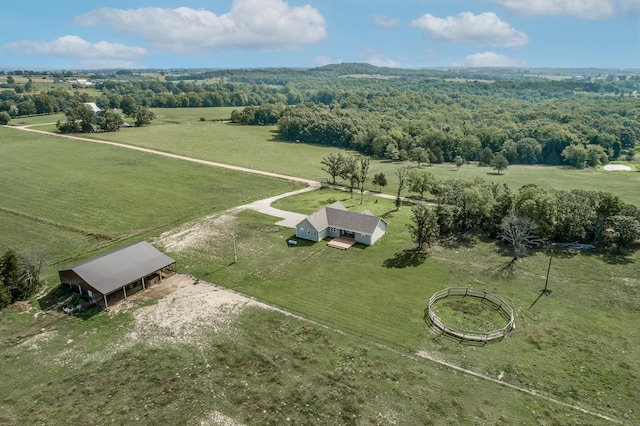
[[427, 120], [19, 276], [528, 140], [532, 214], [81, 119]]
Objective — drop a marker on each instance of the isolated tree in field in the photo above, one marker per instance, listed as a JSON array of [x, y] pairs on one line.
[[362, 174], [459, 161], [421, 181], [499, 162], [143, 116], [110, 121], [333, 164], [520, 232], [402, 173], [424, 227], [5, 118], [380, 180]]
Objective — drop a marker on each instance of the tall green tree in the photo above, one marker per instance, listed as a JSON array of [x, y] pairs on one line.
[[333, 164], [421, 181], [424, 227], [379, 180], [110, 121], [623, 230], [499, 162], [351, 172], [5, 118], [143, 116], [485, 157]]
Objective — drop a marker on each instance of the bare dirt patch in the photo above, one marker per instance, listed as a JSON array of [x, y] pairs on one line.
[[22, 306], [187, 313], [197, 235]]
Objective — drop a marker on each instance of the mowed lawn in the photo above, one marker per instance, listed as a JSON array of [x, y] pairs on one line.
[[576, 345], [180, 131], [56, 190]]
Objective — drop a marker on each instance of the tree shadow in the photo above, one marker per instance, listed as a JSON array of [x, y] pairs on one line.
[[56, 295], [464, 240], [405, 258]]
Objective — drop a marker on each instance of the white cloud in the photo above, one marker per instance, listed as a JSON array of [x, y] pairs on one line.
[[583, 9], [376, 58], [101, 54], [485, 29], [383, 21], [630, 6], [492, 59], [251, 24]]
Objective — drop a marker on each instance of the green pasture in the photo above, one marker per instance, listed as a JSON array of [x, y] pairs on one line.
[[192, 115], [69, 189], [576, 345], [356, 363], [179, 131], [266, 369]]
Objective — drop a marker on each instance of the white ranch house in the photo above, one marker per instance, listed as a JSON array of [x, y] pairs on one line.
[[336, 221]]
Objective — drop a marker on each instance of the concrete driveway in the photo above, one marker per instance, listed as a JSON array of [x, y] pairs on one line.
[[289, 219]]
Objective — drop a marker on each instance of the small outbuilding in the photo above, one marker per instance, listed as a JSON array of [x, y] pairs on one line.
[[114, 275], [338, 222]]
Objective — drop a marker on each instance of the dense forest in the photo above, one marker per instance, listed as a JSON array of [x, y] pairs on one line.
[[575, 117]]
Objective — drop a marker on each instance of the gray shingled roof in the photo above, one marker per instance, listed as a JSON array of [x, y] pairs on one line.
[[116, 269], [337, 216]]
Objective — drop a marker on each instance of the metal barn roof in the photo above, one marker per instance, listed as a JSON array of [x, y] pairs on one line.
[[115, 269]]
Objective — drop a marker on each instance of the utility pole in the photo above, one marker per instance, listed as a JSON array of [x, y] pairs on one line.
[[546, 283], [235, 248]]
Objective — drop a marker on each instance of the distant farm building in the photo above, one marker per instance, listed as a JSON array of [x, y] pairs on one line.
[[114, 275], [338, 222], [95, 108]]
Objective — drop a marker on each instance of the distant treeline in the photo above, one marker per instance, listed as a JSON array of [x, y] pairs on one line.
[[530, 118]]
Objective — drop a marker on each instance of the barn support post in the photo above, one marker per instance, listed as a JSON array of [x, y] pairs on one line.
[[106, 305], [124, 290], [160, 273], [143, 287]]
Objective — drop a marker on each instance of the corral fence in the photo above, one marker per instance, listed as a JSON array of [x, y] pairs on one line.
[[471, 337]]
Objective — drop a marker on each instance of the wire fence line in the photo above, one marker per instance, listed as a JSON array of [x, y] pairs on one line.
[[471, 336]]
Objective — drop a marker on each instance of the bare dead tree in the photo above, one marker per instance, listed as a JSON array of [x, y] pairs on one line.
[[520, 232]]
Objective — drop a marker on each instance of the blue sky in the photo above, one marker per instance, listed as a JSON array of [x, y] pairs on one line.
[[306, 33]]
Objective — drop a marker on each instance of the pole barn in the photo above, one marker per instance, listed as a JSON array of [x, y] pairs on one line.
[[119, 273]]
